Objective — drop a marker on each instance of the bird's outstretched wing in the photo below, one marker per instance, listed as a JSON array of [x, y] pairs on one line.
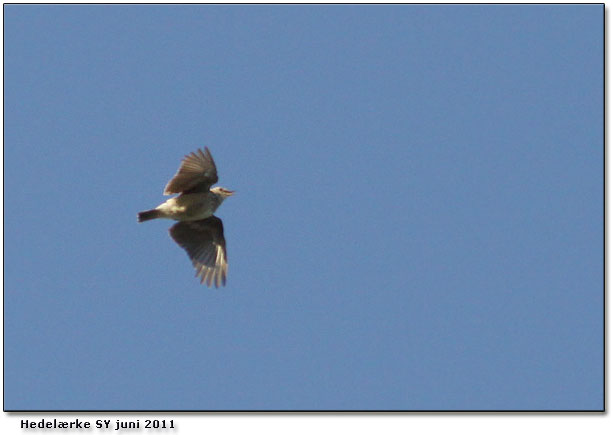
[[197, 173], [205, 245]]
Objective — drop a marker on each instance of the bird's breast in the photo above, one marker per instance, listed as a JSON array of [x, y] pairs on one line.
[[197, 205]]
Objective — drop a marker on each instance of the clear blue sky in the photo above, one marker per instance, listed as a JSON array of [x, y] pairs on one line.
[[418, 221]]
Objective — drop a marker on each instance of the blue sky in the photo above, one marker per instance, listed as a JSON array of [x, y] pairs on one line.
[[418, 223]]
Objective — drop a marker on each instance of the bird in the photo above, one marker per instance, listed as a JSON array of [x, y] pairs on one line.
[[198, 231]]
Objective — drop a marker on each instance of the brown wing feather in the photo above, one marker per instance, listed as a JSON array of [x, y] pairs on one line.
[[205, 245], [197, 173]]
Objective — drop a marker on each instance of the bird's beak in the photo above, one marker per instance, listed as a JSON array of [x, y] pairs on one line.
[[231, 192]]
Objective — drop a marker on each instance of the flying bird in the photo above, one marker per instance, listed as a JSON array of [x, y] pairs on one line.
[[198, 232]]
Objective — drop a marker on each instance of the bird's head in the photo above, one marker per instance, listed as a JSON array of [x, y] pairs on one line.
[[222, 192]]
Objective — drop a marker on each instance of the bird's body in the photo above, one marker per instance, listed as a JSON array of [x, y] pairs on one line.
[[198, 231], [185, 207]]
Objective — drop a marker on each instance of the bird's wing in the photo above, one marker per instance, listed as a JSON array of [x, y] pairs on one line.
[[197, 173], [205, 245]]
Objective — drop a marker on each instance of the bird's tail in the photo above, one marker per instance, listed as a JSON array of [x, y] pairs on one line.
[[148, 215]]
